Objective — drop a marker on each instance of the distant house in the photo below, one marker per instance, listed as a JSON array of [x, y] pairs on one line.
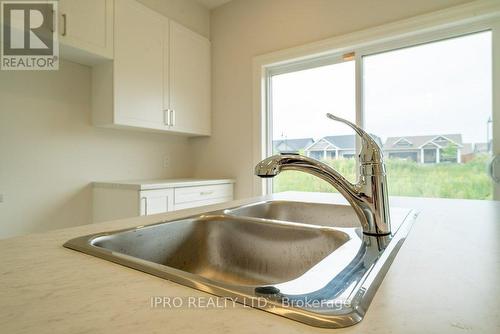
[[467, 152], [425, 149], [291, 145], [482, 147], [334, 147], [470, 150]]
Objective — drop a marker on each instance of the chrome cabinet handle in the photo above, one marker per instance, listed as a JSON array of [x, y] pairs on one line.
[[166, 117], [172, 117], [145, 205], [64, 25], [54, 19], [202, 193]]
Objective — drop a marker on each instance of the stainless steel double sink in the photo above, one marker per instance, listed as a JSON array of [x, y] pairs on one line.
[[305, 261]]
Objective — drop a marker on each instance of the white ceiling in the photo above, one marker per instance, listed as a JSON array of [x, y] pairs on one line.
[[211, 4]]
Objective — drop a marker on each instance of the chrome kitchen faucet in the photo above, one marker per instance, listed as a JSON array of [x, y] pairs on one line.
[[368, 197]]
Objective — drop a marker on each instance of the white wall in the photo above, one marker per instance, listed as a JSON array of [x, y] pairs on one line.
[[243, 29], [50, 152]]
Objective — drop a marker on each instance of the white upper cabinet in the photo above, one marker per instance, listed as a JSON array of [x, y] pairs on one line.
[[138, 66], [86, 30], [189, 77], [159, 79]]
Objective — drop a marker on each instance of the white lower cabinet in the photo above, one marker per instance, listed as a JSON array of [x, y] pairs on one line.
[[156, 201], [124, 199]]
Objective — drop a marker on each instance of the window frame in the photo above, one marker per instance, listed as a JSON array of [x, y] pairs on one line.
[[451, 23]]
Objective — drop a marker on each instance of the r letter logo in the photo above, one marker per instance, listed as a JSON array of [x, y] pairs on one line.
[[29, 37]]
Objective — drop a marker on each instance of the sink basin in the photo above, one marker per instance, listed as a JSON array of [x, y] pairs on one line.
[[309, 262], [300, 212], [228, 250]]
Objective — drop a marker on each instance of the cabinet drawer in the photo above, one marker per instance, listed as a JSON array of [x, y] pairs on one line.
[[202, 193]]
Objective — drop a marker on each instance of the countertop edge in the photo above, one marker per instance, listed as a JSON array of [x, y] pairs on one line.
[[159, 184]]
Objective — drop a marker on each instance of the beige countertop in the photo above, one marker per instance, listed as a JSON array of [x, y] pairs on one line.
[[445, 279]]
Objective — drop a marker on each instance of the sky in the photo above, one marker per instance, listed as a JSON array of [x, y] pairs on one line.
[[436, 88]]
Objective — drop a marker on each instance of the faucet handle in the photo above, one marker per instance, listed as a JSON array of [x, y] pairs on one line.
[[370, 150]]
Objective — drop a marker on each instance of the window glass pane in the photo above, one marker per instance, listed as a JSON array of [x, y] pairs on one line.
[[431, 104], [299, 102]]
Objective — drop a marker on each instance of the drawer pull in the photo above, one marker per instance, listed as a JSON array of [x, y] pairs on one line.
[[203, 193]]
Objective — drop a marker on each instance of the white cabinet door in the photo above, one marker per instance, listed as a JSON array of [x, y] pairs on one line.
[[189, 81], [87, 25], [138, 66], [156, 201]]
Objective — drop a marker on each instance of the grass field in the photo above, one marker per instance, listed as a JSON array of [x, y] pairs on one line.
[[407, 178]]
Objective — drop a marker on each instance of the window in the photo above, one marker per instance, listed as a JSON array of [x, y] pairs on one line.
[[299, 103], [438, 97], [429, 106]]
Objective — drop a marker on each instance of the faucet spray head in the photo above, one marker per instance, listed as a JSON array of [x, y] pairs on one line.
[[268, 168]]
